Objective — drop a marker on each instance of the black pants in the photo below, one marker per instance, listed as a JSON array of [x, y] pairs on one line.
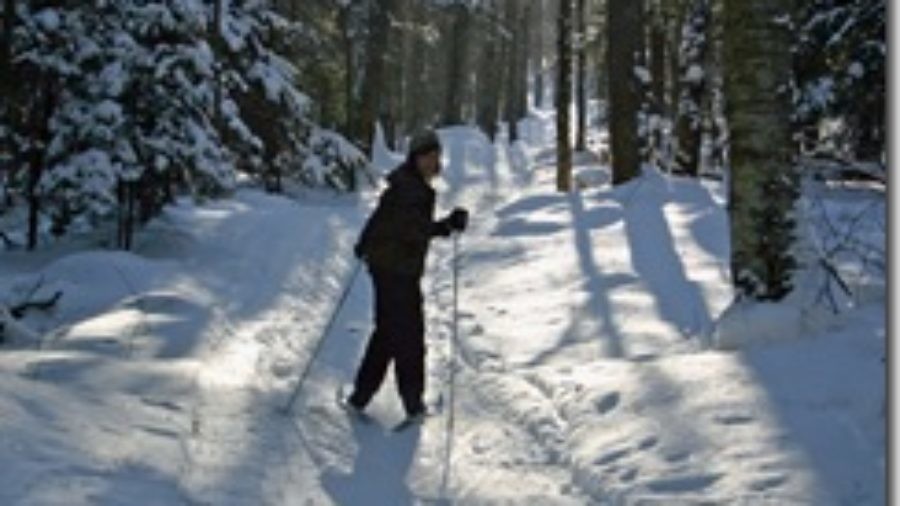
[[399, 336]]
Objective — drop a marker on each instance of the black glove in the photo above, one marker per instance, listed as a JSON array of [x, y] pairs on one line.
[[458, 219]]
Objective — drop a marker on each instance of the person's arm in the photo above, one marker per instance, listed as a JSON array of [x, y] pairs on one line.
[[360, 249], [441, 228]]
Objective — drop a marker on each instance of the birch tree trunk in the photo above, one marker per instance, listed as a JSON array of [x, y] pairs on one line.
[[763, 184]]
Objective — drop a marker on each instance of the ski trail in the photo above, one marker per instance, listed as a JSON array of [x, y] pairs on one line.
[[412, 464], [268, 313], [356, 461], [494, 441]]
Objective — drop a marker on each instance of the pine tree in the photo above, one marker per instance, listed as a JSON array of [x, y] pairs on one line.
[[265, 115], [840, 54], [131, 102]]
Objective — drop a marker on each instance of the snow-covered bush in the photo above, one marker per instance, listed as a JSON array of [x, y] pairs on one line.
[[335, 162]]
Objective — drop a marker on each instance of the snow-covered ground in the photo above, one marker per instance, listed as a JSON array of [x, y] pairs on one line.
[[584, 372]]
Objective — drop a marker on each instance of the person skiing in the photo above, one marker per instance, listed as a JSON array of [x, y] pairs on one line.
[[394, 244]]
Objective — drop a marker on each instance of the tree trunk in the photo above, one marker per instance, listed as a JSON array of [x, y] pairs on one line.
[[580, 90], [693, 81], [564, 97], [415, 88], [34, 201], [453, 107], [624, 43], [402, 69], [510, 107], [538, 55], [350, 97], [713, 114], [600, 57], [373, 80], [44, 103], [522, 71], [763, 183], [489, 80], [9, 19], [218, 45], [658, 58], [7, 92], [675, 20], [126, 194]]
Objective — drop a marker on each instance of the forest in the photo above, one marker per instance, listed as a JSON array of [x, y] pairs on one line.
[[668, 285], [109, 109]]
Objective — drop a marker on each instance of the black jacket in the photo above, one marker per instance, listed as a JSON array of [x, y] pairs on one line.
[[396, 237]]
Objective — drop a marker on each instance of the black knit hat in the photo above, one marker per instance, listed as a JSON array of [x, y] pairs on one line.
[[423, 142]]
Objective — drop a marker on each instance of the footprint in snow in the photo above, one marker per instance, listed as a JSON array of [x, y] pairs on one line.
[[768, 483], [607, 403], [628, 475], [481, 445], [282, 368], [733, 419], [687, 483], [677, 456], [648, 442], [160, 432], [611, 457], [161, 403]]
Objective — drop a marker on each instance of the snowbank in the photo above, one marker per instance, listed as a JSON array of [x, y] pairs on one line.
[[110, 408]]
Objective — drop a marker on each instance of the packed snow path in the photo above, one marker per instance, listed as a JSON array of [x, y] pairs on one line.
[[583, 369]]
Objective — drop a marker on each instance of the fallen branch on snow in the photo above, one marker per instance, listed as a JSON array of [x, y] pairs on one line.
[[18, 311]]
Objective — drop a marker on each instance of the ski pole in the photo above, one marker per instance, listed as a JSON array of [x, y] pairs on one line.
[[455, 286], [448, 441], [312, 358]]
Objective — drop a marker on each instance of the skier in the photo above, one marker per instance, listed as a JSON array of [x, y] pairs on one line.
[[394, 243]]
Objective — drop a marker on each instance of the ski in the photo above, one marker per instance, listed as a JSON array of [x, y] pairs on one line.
[[432, 410], [412, 421], [355, 414]]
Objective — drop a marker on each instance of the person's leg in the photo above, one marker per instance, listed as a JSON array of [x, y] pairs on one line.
[[378, 352], [409, 349]]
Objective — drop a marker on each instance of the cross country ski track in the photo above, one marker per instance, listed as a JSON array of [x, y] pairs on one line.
[[320, 455], [582, 372]]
